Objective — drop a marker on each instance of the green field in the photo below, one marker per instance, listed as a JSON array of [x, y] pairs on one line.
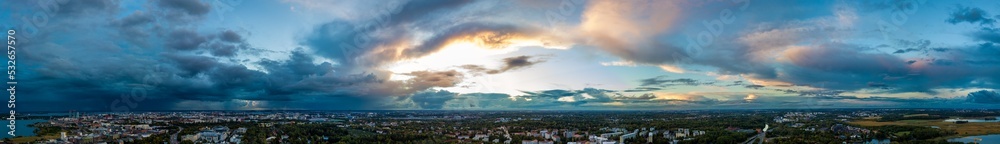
[[967, 129]]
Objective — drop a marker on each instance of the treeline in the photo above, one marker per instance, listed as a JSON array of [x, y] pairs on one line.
[[909, 133], [330, 133], [898, 117]]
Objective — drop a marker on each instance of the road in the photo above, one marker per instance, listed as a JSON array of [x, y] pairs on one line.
[[173, 137]]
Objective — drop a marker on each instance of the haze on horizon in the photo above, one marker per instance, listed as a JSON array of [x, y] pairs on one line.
[[504, 54]]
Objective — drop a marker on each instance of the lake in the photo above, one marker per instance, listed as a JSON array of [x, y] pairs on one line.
[[878, 141], [986, 138], [22, 128], [973, 120]]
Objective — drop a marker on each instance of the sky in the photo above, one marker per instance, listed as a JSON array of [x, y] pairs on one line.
[[110, 55]]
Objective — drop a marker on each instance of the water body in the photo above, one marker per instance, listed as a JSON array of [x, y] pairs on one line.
[[47, 114], [974, 120], [21, 127], [986, 138], [878, 141]]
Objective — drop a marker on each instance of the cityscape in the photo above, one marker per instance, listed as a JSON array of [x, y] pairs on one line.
[[501, 71], [524, 127]]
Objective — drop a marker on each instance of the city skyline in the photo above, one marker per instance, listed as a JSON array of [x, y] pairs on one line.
[[109, 55]]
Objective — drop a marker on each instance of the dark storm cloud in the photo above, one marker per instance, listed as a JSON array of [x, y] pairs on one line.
[[556, 93], [972, 66], [646, 96], [418, 10], [80, 8], [643, 89], [429, 79], [193, 64], [982, 54], [208, 79], [135, 19], [230, 36], [971, 15], [132, 26], [830, 66], [987, 34], [357, 46], [222, 50], [517, 62], [878, 85], [227, 43], [510, 63], [190, 7], [913, 46], [181, 12], [984, 96], [837, 95], [432, 99], [843, 59], [335, 40], [663, 81], [754, 86], [185, 40], [841, 67], [174, 64], [844, 66]]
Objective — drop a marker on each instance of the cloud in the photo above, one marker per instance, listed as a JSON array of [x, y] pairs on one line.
[[799, 54], [185, 40], [753, 86], [750, 97], [135, 19], [586, 95], [986, 34], [510, 63], [190, 7], [133, 26], [984, 96], [971, 15], [643, 89], [226, 43], [193, 64], [428, 79], [911, 46], [173, 62], [432, 99], [842, 59], [566, 99], [491, 35], [230, 36], [72, 9], [391, 35], [360, 50], [517, 62], [663, 81], [681, 97], [628, 29]]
